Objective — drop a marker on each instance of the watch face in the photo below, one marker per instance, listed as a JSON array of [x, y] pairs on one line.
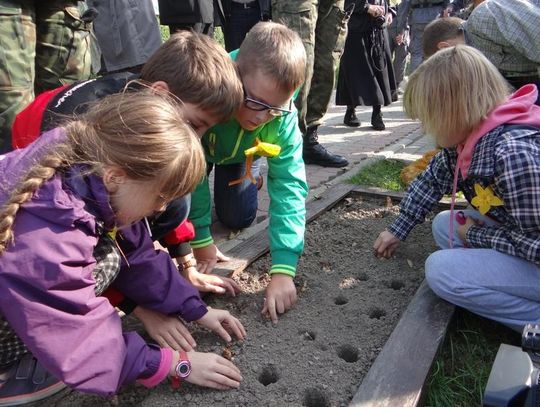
[[183, 369]]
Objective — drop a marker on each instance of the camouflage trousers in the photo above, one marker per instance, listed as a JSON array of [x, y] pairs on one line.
[[322, 25], [43, 45]]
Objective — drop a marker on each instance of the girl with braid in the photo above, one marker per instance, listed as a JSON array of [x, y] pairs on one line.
[[72, 224]]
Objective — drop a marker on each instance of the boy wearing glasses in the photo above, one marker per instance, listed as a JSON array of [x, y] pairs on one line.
[[271, 62]]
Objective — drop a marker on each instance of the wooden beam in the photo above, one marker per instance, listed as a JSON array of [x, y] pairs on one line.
[[398, 375], [397, 196]]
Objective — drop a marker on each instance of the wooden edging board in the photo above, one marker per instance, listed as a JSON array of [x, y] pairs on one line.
[[399, 373]]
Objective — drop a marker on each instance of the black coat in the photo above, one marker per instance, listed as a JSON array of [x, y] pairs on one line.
[[173, 12], [366, 76], [264, 5], [360, 20]]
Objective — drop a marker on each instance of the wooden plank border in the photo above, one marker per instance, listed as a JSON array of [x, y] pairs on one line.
[[400, 371]]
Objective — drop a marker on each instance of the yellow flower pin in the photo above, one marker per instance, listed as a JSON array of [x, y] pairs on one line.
[[263, 149], [485, 199], [112, 233]]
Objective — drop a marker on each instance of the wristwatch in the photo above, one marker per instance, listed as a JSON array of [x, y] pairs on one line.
[[182, 370], [189, 262]]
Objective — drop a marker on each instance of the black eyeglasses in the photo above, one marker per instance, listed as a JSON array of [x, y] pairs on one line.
[[258, 106]]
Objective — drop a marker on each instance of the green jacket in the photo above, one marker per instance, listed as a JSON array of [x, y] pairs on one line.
[[225, 144]]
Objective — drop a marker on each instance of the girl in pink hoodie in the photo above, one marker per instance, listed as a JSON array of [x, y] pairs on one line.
[[490, 257]]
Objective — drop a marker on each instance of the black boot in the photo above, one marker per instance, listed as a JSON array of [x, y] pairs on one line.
[[376, 118], [350, 118], [314, 153]]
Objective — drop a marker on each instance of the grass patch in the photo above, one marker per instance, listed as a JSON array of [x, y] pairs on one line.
[[382, 174], [462, 369]]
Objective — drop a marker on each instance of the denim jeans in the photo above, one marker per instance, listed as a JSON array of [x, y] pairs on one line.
[[236, 206], [492, 284]]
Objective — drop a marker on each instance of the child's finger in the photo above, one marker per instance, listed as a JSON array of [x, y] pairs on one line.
[[271, 305], [280, 306], [234, 326], [223, 333], [221, 257], [184, 339]]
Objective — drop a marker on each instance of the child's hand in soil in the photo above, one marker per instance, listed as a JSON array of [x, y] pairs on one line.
[[167, 331], [211, 370], [207, 258], [385, 245], [211, 283], [280, 296], [223, 323]]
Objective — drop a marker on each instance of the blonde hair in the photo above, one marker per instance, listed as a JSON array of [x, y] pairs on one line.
[[197, 70], [276, 51], [453, 91], [144, 135]]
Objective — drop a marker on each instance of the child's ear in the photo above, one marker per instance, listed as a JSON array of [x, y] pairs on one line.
[[112, 177], [160, 86], [443, 44]]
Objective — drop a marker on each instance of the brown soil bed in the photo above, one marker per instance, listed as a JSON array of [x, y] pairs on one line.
[[319, 352]]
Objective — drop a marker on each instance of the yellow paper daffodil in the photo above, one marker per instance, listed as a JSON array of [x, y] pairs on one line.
[[263, 149], [485, 199], [259, 148], [112, 233]]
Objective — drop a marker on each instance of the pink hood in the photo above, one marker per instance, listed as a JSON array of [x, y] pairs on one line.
[[518, 109]]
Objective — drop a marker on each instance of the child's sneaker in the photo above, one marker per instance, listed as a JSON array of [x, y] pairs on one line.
[[26, 381]]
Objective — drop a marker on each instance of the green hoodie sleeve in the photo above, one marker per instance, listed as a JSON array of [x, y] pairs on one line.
[[200, 215], [288, 190]]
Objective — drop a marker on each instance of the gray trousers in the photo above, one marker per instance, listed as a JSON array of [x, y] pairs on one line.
[[399, 52]]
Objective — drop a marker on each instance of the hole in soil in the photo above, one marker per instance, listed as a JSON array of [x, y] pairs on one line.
[[348, 353], [341, 300], [396, 284], [363, 277], [307, 335], [316, 398], [376, 313], [268, 375]]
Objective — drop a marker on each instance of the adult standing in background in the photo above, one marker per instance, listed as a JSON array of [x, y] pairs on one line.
[[366, 76], [322, 25], [43, 45], [196, 15], [418, 14], [398, 51], [240, 17], [507, 32], [127, 33]]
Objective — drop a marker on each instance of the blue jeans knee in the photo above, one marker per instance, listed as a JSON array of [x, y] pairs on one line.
[[236, 205]]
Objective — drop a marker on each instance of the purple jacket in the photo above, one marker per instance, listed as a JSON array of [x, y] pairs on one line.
[[47, 288]]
